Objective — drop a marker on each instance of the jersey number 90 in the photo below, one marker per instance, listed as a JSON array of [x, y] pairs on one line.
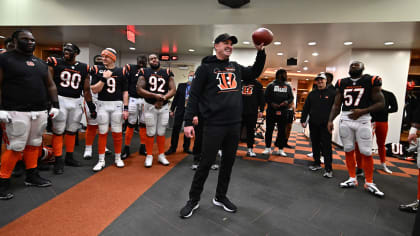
[[69, 79]]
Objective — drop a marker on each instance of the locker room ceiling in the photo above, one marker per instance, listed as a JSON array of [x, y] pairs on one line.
[[294, 39]]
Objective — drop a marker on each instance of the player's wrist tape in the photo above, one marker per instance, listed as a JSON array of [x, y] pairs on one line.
[[103, 79], [125, 108], [55, 104], [91, 106], [413, 130]]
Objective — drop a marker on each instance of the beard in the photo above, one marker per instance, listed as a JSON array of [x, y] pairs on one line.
[[356, 73], [154, 67], [24, 47]]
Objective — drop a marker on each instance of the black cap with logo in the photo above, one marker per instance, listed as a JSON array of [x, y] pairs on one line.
[[224, 37]]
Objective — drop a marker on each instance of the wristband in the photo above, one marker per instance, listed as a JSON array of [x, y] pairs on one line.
[[55, 104], [413, 130], [103, 79], [91, 106], [125, 108]]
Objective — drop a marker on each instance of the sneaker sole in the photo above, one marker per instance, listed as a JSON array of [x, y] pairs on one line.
[[164, 164], [37, 185], [374, 193], [7, 197], [87, 157], [410, 210], [348, 186], [192, 211], [222, 205]]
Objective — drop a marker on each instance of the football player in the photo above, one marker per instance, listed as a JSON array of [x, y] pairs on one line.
[[110, 83], [26, 88], [135, 105], [71, 78], [156, 85], [358, 95]]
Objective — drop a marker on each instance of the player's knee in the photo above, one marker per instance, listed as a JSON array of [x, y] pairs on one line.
[[36, 142], [73, 128], [69, 132], [131, 124], [150, 131], [348, 147], [17, 128], [17, 146], [367, 151], [103, 129], [161, 131], [149, 120]]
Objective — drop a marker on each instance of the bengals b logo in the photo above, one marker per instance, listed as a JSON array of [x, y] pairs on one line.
[[247, 90], [227, 80]]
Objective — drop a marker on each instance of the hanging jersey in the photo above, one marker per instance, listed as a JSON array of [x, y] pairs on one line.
[[132, 72], [23, 87], [156, 82], [114, 87], [69, 79], [357, 93]]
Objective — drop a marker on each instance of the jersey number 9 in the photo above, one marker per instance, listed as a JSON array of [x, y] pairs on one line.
[[111, 85]]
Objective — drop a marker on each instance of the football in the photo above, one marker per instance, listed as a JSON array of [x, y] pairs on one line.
[[262, 35]]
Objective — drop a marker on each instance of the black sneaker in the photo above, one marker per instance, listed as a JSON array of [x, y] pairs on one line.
[[126, 152], [142, 150], [59, 165], [33, 179], [225, 203], [170, 151], [188, 151], [359, 172], [411, 207], [4, 186], [19, 169], [315, 167], [188, 210], [70, 161]]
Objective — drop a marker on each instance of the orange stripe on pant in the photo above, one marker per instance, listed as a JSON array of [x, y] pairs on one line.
[[381, 131]]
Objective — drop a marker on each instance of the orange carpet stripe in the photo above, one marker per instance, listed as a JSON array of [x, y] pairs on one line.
[[90, 206]]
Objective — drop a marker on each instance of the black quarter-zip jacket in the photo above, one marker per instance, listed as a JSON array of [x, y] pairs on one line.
[[318, 106], [216, 90]]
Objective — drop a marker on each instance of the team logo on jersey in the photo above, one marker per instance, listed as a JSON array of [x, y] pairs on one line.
[[227, 80], [30, 63], [280, 89], [247, 90]]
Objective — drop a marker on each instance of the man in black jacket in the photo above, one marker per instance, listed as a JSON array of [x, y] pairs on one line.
[[216, 95], [253, 100], [278, 96], [318, 105], [178, 106]]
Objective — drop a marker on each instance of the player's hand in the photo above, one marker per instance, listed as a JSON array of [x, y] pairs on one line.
[[189, 131], [356, 113], [171, 113], [330, 126], [125, 115], [107, 74], [5, 117], [303, 125], [93, 114], [259, 47], [412, 138], [158, 104], [195, 120], [53, 113], [284, 104], [260, 115], [159, 97]]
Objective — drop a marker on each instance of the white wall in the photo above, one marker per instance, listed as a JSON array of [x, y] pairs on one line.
[[392, 66]]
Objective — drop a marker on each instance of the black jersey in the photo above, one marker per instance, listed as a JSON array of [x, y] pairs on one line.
[[23, 87], [114, 87], [69, 79], [156, 82], [132, 73], [357, 93]]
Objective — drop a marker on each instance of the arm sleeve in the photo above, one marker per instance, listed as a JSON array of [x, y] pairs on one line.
[[124, 83], [52, 61], [261, 101], [306, 109], [267, 94], [393, 105], [197, 87], [290, 94], [252, 72], [176, 98]]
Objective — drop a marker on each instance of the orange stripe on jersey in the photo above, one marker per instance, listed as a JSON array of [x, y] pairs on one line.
[[339, 82], [124, 70], [167, 71], [96, 69], [55, 61], [87, 66], [128, 66], [373, 79], [142, 71]]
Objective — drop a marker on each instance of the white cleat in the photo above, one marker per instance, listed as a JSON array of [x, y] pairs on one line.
[[99, 166], [385, 168], [162, 159], [371, 187], [280, 152], [267, 151], [87, 155], [321, 159], [149, 160], [250, 153], [118, 162], [310, 154], [350, 183]]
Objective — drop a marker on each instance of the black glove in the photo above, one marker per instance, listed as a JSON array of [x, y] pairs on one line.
[[92, 110]]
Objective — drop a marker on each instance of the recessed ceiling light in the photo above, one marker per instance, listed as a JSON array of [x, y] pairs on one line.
[[277, 43], [313, 43], [305, 68], [298, 71], [315, 54], [191, 50], [347, 43], [388, 43], [132, 48], [2, 37], [307, 79], [306, 61], [246, 42], [279, 54]]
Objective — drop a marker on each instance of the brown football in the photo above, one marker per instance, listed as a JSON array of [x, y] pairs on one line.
[[262, 35]]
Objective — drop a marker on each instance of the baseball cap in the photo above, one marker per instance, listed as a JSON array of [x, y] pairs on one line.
[[321, 76], [224, 37]]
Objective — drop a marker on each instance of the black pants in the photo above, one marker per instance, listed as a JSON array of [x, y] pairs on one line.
[[281, 121], [250, 122], [215, 138], [416, 228], [175, 134], [198, 141], [321, 142]]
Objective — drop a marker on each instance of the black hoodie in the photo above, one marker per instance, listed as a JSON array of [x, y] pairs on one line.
[[216, 90]]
